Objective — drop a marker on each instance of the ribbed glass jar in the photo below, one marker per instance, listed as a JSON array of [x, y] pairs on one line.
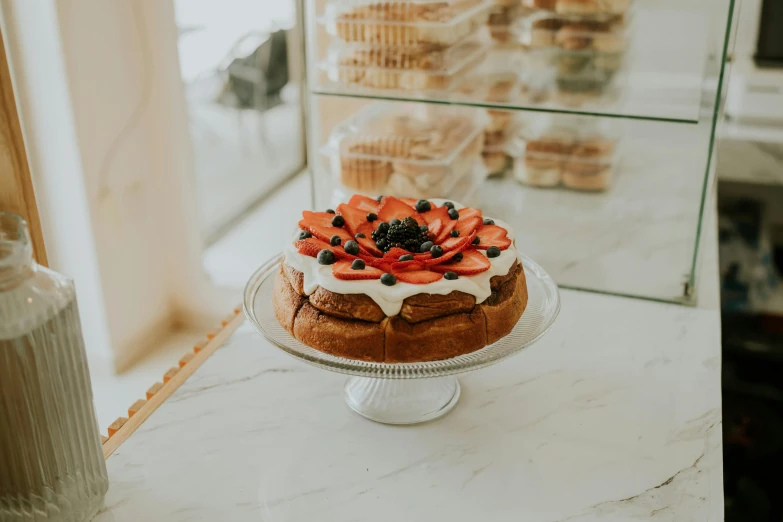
[[51, 461]]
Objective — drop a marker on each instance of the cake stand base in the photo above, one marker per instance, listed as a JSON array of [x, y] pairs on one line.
[[402, 401]]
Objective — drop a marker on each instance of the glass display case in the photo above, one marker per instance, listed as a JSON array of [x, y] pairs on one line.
[[587, 125]]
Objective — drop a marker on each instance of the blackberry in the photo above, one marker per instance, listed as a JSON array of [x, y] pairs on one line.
[[400, 234]]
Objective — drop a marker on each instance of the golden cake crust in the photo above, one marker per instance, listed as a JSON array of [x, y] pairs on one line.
[[428, 328]]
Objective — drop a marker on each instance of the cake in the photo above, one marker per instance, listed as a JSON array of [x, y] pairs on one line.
[[398, 280]]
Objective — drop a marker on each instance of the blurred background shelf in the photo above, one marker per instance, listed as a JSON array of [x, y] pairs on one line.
[[663, 80]]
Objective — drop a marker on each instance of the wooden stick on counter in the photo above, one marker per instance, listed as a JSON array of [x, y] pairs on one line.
[[174, 379]]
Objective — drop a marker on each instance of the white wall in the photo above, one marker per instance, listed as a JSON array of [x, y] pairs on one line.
[[99, 86]]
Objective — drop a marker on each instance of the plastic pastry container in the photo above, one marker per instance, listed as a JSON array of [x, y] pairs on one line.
[[406, 150], [596, 9], [501, 20], [423, 67], [503, 127], [404, 23], [549, 31], [496, 79], [576, 157]]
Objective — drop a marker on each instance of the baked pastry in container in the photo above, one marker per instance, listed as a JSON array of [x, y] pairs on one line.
[[406, 149], [590, 164], [400, 281], [581, 8], [411, 68], [405, 23]]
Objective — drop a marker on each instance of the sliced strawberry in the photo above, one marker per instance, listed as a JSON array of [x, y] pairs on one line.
[[364, 203], [435, 227], [493, 235], [441, 213], [393, 208], [325, 233], [311, 246], [410, 202], [340, 253], [321, 219], [468, 225], [457, 243], [445, 232], [354, 218], [367, 228], [383, 264], [342, 270], [395, 253], [417, 277], [402, 266], [472, 262], [429, 260], [468, 212], [368, 245]]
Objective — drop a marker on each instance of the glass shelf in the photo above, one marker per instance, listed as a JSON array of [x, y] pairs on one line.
[[638, 237], [666, 63]]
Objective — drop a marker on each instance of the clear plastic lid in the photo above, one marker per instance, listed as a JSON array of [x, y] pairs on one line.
[[595, 9], [496, 79], [425, 57], [405, 149], [405, 78], [415, 133], [405, 23], [547, 31]]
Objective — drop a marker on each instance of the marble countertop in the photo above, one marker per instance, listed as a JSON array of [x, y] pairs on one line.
[[614, 416]]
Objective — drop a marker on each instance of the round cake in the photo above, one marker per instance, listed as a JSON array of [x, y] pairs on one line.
[[398, 280]]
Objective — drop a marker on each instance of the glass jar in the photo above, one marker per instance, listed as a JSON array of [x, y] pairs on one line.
[[51, 460]]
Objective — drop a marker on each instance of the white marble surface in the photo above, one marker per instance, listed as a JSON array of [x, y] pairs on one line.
[[614, 416]]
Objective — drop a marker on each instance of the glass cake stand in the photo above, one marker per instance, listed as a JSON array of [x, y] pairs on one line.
[[412, 392]]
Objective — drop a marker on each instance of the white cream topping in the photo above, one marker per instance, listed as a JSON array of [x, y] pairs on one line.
[[390, 298]]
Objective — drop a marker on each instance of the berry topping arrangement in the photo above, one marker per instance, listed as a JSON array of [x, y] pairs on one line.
[[392, 239]]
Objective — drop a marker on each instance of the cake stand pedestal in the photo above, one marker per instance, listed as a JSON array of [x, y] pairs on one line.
[[402, 401], [406, 393]]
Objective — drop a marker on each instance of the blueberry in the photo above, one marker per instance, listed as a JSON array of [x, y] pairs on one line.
[[379, 198], [436, 251], [493, 251], [406, 257], [360, 235], [423, 206], [325, 257], [489, 222], [304, 234], [425, 247], [394, 222], [454, 233], [453, 214], [450, 275], [352, 247], [383, 227], [457, 257], [448, 204], [388, 280], [424, 229], [338, 221], [330, 211], [335, 240], [372, 216], [477, 240], [357, 264], [381, 243]]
